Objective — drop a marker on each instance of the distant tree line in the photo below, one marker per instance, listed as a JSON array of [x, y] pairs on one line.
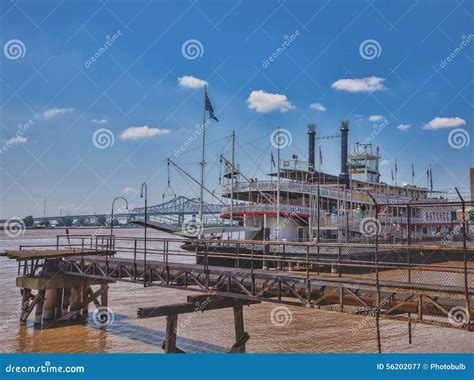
[[68, 221]]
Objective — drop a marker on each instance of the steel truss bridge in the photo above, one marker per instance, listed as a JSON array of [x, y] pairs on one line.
[[174, 211], [178, 208]]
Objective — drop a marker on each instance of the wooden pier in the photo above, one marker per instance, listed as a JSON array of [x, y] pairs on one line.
[[59, 281]]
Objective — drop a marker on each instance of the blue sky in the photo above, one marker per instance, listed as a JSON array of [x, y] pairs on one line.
[[60, 97]]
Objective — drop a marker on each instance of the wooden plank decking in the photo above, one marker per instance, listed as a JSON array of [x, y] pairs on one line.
[[33, 254]]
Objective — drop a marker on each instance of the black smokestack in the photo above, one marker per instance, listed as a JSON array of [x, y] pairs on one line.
[[344, 149], [311, 138]]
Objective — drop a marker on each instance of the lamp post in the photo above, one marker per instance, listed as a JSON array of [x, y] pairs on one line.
[[144, 193], [112, 214]]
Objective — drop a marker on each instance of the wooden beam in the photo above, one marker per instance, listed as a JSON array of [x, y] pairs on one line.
[[76, 306], [31, 254], [56, 282], [26, 313], [189, 307], [89, 292]]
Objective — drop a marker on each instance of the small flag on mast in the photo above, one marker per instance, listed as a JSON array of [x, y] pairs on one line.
[[393, 178], [208, 106], [320, 156], [273, 160], [431, 178], [412, 169]]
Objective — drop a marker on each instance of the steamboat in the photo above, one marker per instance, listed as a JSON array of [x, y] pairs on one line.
[[298, 202]]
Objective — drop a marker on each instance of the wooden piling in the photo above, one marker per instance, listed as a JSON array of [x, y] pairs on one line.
[[241, 336], [104, 298], [39, 309], [49, 305], [25, 303], [171, 329], [85, 308], [65, 301]]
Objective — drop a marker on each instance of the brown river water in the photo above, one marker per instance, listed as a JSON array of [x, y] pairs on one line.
[[307, 330]]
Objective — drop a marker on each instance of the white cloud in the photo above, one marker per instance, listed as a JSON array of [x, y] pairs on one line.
[[100, 121], [53, 112], [136, 133], [189, 81], [384, 162], [370, 84], [376, 118], [403, 127], [16, 140], [130, 190], [444, 122], [317, 107], [262, 101]]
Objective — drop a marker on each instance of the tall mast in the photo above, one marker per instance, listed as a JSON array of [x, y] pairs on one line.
[[278, 186], [203, 162], [319, 193], [232, 180]]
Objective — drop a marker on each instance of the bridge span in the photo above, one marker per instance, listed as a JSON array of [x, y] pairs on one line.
[[174, 211]]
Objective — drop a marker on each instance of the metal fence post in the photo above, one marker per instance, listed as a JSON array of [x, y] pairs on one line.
[[308, 284], [135, 259], [464, 245], [377, 309], [408, 224], [252, 276], [206, 273]]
